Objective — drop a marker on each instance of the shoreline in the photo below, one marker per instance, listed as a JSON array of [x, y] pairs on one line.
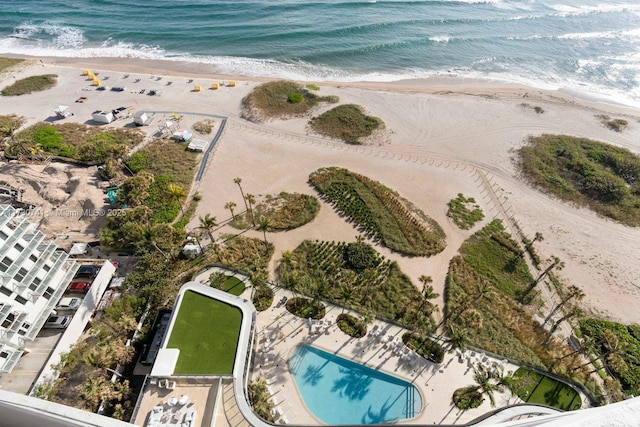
[[434, 85]]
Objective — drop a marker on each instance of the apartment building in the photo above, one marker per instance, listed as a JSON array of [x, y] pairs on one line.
[[34, 273]]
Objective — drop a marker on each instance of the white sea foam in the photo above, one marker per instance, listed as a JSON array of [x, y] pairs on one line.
[[60, 36], [566, 10], [440, 39]]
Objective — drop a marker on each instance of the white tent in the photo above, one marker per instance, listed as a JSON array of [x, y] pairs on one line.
[[103, 116], [79, 249], [63, 111], [141, 118]]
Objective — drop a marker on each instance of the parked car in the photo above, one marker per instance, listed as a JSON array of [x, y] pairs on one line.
[[87, 271], [55, 321], [69, 303], [82, 287]]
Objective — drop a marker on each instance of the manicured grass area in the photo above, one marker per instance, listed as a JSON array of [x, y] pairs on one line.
[[380, 212], [233, 285], [464, 211], [535, 388], [355, 275], [274, 99], [348, 123], [30, 84], [206, 331], [593, 174]]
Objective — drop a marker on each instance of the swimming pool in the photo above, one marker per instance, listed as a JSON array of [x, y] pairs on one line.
[[339, 391]]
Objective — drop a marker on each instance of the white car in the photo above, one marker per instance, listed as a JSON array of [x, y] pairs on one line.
[[69, 303], [58, 322]]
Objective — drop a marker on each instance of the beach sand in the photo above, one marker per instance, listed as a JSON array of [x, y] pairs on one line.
[[443, 136]]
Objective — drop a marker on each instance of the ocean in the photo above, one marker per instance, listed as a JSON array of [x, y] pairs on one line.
[[588, 47]]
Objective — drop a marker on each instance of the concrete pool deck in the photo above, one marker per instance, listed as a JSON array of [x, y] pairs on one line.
[[436, 382]]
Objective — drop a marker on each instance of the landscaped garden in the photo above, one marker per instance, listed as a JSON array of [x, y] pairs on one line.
[[74, 141], [482, 291], [355, 275], [280, 99], [380, 212], [618, 346], [284, 211], [225, 283], [203, 353], [532, 387], [351, 325], [348, 123], [589, 173]]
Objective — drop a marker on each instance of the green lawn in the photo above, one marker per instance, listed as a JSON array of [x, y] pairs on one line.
[[206, 331], [536, 388], [233, 285]]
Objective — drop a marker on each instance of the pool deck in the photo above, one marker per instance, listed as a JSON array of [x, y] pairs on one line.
[[282, 332]]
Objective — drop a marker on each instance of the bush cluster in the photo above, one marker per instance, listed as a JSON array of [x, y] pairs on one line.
[[600, 176], [346, 122], [351, 326]]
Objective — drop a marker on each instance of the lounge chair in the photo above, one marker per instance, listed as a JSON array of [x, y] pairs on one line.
[[271, 380], [189, 419], [278, 399], [155, 416]]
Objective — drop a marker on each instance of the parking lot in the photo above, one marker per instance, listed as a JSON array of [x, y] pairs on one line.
[[30, 364]]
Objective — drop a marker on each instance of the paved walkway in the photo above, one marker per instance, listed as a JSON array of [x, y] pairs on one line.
[[436, 382]]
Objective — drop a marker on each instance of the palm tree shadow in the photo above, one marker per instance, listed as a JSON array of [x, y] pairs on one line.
[[380, 416], [313, 374], [352, 384]]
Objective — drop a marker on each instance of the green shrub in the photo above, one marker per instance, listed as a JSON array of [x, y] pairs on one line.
[[466, 398], [346, 122], [295, 98], [424, 346], [464, 212], [359, 256], [48, 138], [306, 308], [137, 162], [351, 326], [312, 87], [263, 297]]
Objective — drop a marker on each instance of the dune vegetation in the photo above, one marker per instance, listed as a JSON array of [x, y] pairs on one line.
[[380, 212], [30, 84], [599, 176], [348, 123], [280, 99]]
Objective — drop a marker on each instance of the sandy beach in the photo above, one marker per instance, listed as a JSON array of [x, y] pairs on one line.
[[443, 136]]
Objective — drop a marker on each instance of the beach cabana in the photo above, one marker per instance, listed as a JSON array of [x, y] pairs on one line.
[[197, 88], [215, 86], [232, 83]]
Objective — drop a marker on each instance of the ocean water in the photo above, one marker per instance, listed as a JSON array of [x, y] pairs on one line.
[[584, 46]]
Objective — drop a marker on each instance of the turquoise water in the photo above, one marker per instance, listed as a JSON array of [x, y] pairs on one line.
[[339, 391], [587, 46]]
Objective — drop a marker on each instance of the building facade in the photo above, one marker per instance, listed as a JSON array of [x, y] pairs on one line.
[[34, 273]]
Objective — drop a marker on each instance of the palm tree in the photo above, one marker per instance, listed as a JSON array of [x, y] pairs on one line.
[[238, 181], [263, 226], [538, 237], [347, 295], [428, 294], [488, 381], [207, 224], [574, 292], [426, 280], [250, 198], [177, 194], [231, 206], [575, 311], [555, 263], [457, 338]]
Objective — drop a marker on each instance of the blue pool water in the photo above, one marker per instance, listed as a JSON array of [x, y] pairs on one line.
[[339, 391]]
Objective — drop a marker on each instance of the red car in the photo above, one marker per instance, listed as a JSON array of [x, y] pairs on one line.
[[82, 287]]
